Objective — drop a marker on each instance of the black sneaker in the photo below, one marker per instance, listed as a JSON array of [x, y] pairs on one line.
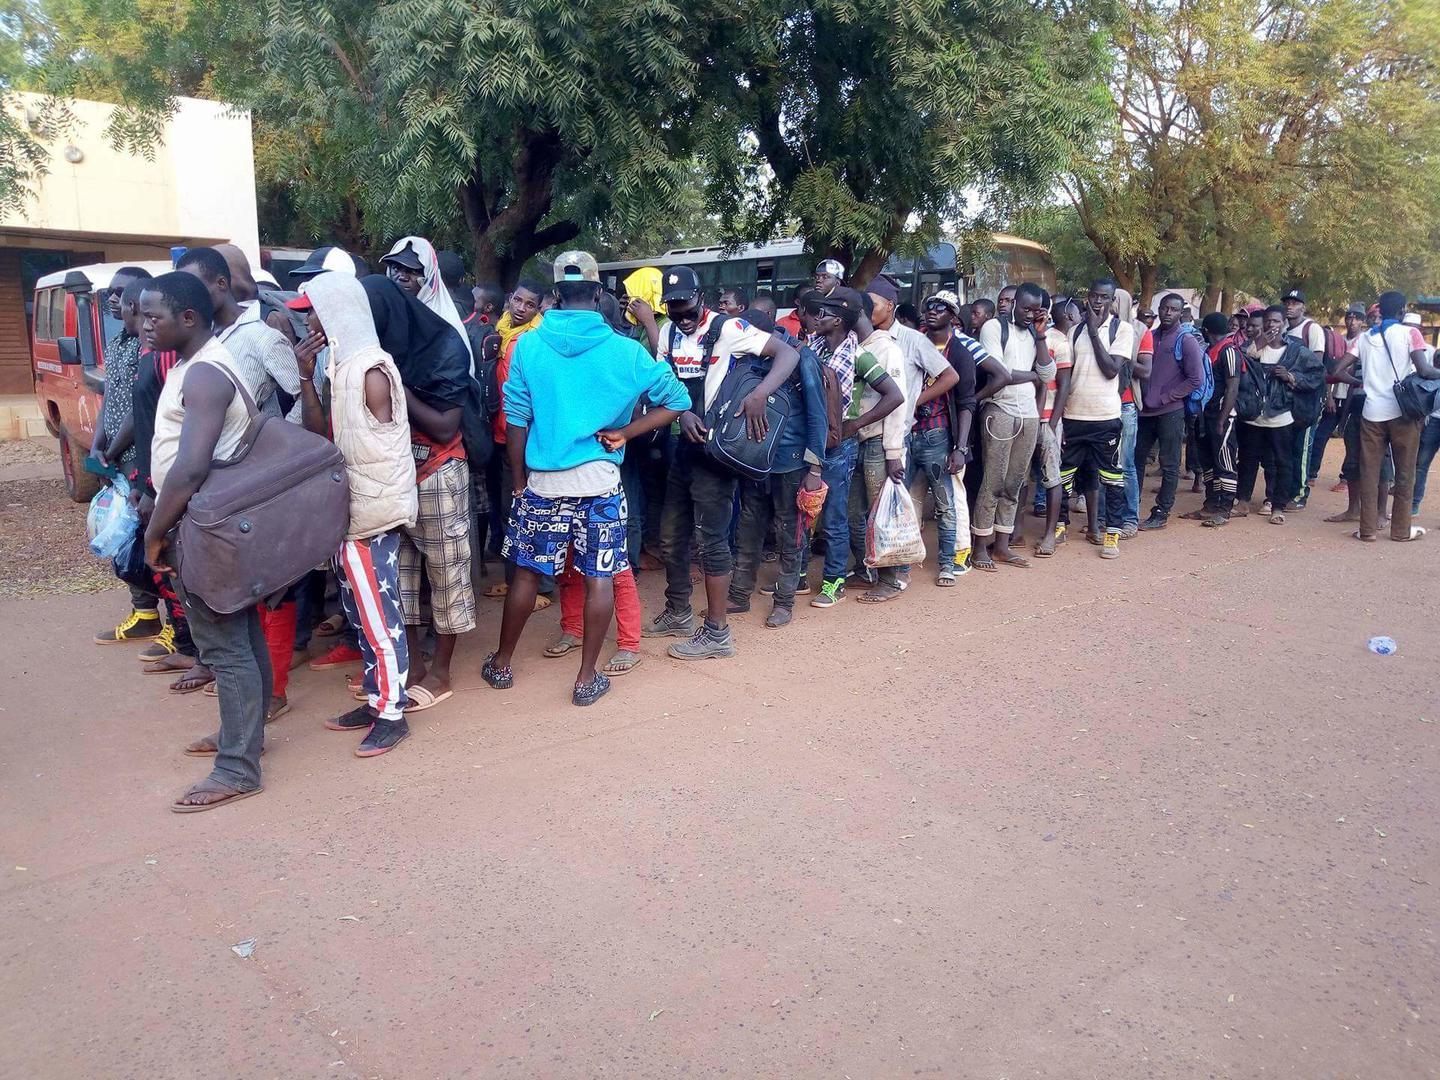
[[355, 720], [383, 737], [590, 692], [1154, 522], [737, 607], [499, 678]]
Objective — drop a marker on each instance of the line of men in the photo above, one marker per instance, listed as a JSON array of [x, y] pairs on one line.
[[586, 398]]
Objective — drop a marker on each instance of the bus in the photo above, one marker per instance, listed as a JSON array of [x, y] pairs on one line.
[[780, 266]]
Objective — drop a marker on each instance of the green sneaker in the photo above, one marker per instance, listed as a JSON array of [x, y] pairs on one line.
[[707, 643], [831, 593]]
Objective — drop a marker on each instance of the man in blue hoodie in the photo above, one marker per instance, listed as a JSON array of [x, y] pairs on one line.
[[569, 401]]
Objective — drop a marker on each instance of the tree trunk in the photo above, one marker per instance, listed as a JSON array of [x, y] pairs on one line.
[[1210, 301], [505, 226], [1149, 279]]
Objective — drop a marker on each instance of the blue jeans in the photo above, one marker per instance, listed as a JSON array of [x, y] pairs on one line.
[[930, 455], [1429, 444], [834, 522], [1129, 424]]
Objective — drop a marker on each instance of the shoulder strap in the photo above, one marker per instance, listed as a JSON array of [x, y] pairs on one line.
[[250, 410], [1385, 338]]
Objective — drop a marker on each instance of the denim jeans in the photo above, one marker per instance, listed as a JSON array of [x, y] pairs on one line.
[[764, 503], [233, 647], [698, 495], [834, 523], [864, 489], [1129, 424], [930, 457], [1429, 444], [1168, 430]]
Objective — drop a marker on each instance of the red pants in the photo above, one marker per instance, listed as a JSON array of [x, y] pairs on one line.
[[278, 626], [627, 607]]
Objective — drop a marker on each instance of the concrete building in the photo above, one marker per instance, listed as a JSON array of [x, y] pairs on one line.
[[97, 204]]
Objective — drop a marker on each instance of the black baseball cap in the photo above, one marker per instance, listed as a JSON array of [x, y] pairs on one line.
[[1293, 294], [840, 300], [679, 283], [330, 258], [405, 257]]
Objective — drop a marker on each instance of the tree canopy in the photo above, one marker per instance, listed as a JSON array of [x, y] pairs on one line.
[[1253, 148]]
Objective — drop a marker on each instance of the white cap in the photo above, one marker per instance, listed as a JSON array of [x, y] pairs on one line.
[[1412, 318]]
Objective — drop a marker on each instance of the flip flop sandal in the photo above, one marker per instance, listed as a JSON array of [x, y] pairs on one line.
[[422, 698], [1018, 561], [1195, 515], [169, 665], [1042, 552], [211, 787], [567, 643], [329, 627], [276, 711], [1366, 539], [211, 690], [542, 602], [989, 568], [1416, 533], [616, 666], [1277, 519], [197, 684], [497, 592], [881, 594], [1216, 522]]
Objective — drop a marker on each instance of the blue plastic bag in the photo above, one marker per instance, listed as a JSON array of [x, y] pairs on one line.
[[111, 520]]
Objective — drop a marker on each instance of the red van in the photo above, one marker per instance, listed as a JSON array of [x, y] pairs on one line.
[[70, 326]]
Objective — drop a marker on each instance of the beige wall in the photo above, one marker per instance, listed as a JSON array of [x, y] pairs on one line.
[[198, 187]]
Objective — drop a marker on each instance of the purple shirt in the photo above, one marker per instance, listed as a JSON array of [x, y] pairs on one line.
[[1170, 382]]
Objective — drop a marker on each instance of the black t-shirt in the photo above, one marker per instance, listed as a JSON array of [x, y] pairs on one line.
[[150, 376]]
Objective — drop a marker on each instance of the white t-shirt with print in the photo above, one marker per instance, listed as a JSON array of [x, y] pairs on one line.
[[1384, 361], [737, 337]]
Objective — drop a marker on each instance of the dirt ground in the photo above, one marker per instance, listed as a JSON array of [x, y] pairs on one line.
[[1162, 817]]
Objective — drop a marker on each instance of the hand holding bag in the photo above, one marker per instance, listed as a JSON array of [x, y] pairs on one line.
[[265, 517], [892, 533]]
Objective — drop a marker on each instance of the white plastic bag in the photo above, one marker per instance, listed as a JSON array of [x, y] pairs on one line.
[[892, 534], [111, 520]]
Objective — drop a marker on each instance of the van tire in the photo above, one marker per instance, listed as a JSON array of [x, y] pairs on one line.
[[80, 485]]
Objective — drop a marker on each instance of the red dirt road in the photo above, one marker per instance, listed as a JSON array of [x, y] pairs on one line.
[[1159, 817]]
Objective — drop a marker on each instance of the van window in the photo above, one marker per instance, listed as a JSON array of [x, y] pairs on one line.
[[57, 313]]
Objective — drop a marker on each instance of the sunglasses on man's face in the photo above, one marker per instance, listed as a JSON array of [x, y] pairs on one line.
[[935, 307]]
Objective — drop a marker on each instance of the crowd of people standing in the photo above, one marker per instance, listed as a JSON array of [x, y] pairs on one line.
[[576, 438]]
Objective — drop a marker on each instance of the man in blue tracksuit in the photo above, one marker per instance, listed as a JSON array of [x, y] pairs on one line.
[[569, 401], [798, 459]]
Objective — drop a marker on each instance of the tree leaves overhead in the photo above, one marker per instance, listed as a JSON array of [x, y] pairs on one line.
[[866, 123], [1257, 147]]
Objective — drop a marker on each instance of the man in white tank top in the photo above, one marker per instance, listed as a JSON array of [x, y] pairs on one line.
[[200, 419]]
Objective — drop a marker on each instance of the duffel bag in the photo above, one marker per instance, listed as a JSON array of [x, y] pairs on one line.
[[264, 518]]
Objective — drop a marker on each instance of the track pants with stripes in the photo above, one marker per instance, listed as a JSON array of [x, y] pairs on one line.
[[369, 573], [1219, 446]]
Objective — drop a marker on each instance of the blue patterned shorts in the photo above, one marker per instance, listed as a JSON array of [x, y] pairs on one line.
[[542, 533]]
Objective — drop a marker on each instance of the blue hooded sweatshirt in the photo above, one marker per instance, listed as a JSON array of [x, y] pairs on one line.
[[573, 376]]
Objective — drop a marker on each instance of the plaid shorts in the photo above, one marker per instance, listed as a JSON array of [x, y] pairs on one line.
[[440, 541], [542, 533]]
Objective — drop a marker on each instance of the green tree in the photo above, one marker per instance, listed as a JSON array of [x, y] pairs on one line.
[[871, 125], [1253, 148]]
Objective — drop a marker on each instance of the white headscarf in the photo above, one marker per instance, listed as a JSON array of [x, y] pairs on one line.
[[344, 311], [1124, 307], [433, 293]]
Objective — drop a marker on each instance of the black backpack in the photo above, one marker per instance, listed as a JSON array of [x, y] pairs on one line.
[[729, 443]]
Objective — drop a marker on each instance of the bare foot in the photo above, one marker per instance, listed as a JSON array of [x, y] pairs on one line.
[[1348, 515]]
